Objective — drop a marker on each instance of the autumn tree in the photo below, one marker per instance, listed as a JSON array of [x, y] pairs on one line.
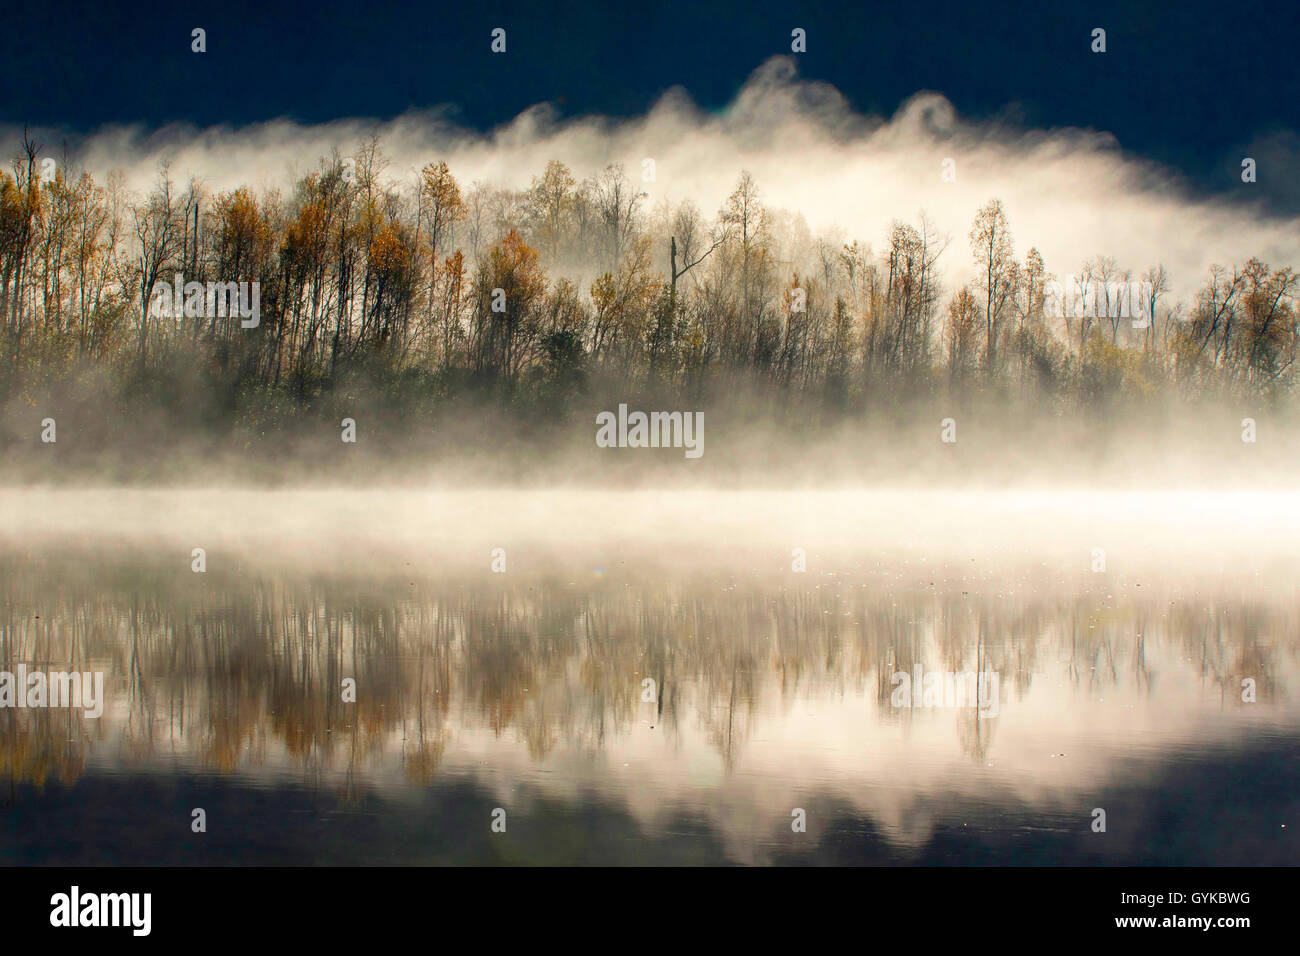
[[550, 201], [748, 244], [508, 293], [961, 333], [990, 240]]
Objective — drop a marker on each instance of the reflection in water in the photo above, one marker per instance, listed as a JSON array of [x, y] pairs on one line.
[[528, 691]]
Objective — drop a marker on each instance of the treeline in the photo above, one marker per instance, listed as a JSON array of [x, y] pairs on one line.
[[534, 294]]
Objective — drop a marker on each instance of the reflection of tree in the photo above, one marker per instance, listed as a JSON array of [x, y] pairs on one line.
[[1230, 641], [243, 670], [975, 728], [433, 684], [731, 709], [37, 745]]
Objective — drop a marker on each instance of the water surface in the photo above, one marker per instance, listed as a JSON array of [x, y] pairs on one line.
[[773, 690]]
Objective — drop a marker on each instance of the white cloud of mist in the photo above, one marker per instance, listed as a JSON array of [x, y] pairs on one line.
[[1072, 193]]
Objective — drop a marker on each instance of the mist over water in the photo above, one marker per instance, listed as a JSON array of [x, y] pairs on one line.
[[524, 689]]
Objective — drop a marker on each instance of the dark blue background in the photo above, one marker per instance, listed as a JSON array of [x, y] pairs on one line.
[[1189, 83]]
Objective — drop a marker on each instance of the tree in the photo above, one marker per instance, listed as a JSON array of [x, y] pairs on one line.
[[616, 202], [961, 333], [990, 240], [1156, 284], [745, 223], [158, 227], [502, 339], [550, 200]]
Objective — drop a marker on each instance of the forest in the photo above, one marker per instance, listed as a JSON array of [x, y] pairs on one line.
[[432, 291]]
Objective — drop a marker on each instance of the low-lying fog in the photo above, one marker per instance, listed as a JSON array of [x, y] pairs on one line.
[[1183, 531]]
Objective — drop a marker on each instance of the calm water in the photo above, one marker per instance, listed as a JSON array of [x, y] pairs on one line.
[[1118, 689]]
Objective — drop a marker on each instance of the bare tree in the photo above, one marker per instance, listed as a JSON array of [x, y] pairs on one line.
[[158, 232]]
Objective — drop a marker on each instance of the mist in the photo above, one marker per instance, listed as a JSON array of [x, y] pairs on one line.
[[624, 464], [1074, 193], [856, 394]]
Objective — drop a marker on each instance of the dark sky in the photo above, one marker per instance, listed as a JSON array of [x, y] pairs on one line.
[[1188, 83]]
